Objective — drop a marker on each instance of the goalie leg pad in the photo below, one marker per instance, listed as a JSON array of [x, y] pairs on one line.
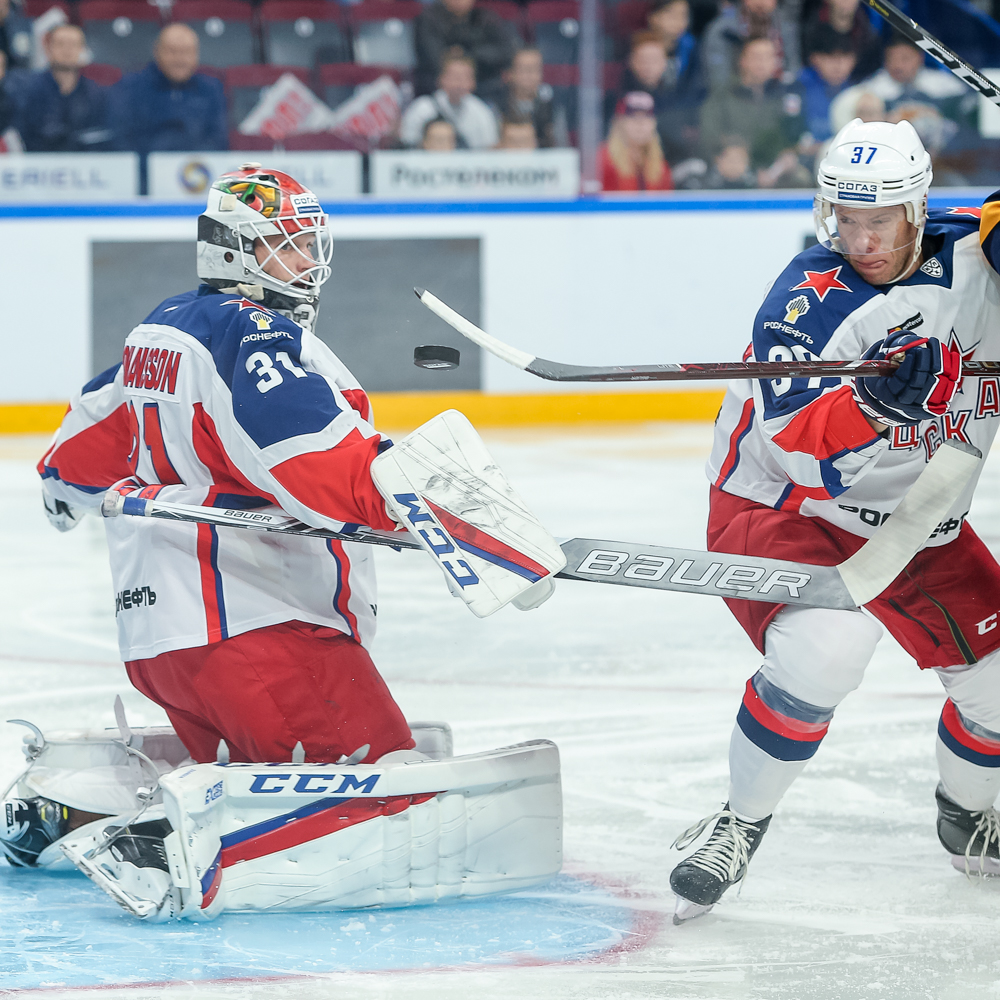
[[443, 485], [327, 837]]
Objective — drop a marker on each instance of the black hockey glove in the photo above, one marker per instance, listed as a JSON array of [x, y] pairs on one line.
[[921, 387]]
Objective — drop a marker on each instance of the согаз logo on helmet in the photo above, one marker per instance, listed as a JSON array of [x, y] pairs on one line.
[[857, 191], [195, 177]]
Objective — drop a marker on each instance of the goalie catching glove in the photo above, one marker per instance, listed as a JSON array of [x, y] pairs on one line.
[[922, 386], [442, 484]]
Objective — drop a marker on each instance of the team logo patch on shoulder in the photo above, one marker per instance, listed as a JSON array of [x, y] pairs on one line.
[[934, 268], [823, 282], [799, 306]]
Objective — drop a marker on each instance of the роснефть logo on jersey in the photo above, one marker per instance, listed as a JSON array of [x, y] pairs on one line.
[[151, 368], [139, 597], [799, 306]]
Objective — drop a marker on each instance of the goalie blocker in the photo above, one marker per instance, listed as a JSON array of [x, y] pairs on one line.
[[418, 826], [445, 487]]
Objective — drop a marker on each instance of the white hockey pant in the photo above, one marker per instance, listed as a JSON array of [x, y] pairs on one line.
[[813, 659]]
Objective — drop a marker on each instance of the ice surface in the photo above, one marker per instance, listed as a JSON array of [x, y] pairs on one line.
[[849, 896]]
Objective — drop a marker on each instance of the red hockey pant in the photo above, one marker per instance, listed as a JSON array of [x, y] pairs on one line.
[[266, 690], [942, 609]]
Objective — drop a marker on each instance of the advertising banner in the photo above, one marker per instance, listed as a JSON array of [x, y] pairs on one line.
[[465, 175], [287, 108], [68, 177], [331, 176]]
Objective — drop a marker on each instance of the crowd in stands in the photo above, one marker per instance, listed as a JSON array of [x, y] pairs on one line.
[[698, 93]]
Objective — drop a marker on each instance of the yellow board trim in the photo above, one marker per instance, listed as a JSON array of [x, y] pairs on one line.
[[30, 418], [410, 409]]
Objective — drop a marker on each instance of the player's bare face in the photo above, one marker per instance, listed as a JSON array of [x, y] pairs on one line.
[[878, 242], [286, 259]]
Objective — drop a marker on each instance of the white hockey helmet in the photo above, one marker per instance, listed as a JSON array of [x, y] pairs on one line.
[[253, 203], [872, 165]]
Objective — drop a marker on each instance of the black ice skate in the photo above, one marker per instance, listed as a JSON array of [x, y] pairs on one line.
[[701, 879], [28, 826], [971, 838]]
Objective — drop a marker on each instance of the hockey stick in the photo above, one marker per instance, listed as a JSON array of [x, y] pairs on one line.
[[850, 584], [936, 49], [555, 371]]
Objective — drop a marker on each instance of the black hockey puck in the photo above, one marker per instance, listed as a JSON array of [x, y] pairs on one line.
[[436, 357]]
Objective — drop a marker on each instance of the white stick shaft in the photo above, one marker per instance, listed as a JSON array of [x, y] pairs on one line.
[[519, 359], [877, 563]]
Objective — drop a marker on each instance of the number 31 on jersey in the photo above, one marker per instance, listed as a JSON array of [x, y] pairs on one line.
[[262, 364]]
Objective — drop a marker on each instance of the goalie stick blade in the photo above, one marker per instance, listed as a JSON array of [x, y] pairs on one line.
[[880, 560], [717, 574], [556, 371]]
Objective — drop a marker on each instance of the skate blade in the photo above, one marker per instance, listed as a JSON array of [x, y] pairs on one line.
[[685, 910], [976, 865], [143, 909]]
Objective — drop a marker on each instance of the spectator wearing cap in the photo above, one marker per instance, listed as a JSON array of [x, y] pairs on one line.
[[675, 98], [474, 123], [524, 95], [831, 63], [447, 25], [169, 106], [762, 111], [849, 18], [723, 40], [61, 111], [439, 136], [632, 158]]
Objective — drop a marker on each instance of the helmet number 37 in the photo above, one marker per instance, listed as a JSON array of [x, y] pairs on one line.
[[871, 198]]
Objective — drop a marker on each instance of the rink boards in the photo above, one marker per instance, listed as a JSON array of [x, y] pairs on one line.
[[593, 281]]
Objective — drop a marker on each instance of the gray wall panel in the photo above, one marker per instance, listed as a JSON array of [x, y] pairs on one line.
[[369, 315]]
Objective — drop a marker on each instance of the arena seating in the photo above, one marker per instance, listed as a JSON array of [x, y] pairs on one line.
[[120, 32], [304, 32], [225, 30], [381, 40]]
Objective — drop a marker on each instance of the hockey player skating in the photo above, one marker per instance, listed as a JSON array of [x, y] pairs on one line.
[[809, 468], [256, 645]]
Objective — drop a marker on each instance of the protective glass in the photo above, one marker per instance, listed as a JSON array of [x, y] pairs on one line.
[[297, 257], [860, 232]]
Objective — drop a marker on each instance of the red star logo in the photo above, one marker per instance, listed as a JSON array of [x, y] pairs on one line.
[[955, 345], [822, 282], [976, 213], [247, 304]]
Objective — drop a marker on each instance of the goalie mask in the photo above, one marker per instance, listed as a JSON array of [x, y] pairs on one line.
[[868, 170], [261, 227]]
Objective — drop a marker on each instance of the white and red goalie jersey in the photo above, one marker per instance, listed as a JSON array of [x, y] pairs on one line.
[[803, 444], [240, 407]]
